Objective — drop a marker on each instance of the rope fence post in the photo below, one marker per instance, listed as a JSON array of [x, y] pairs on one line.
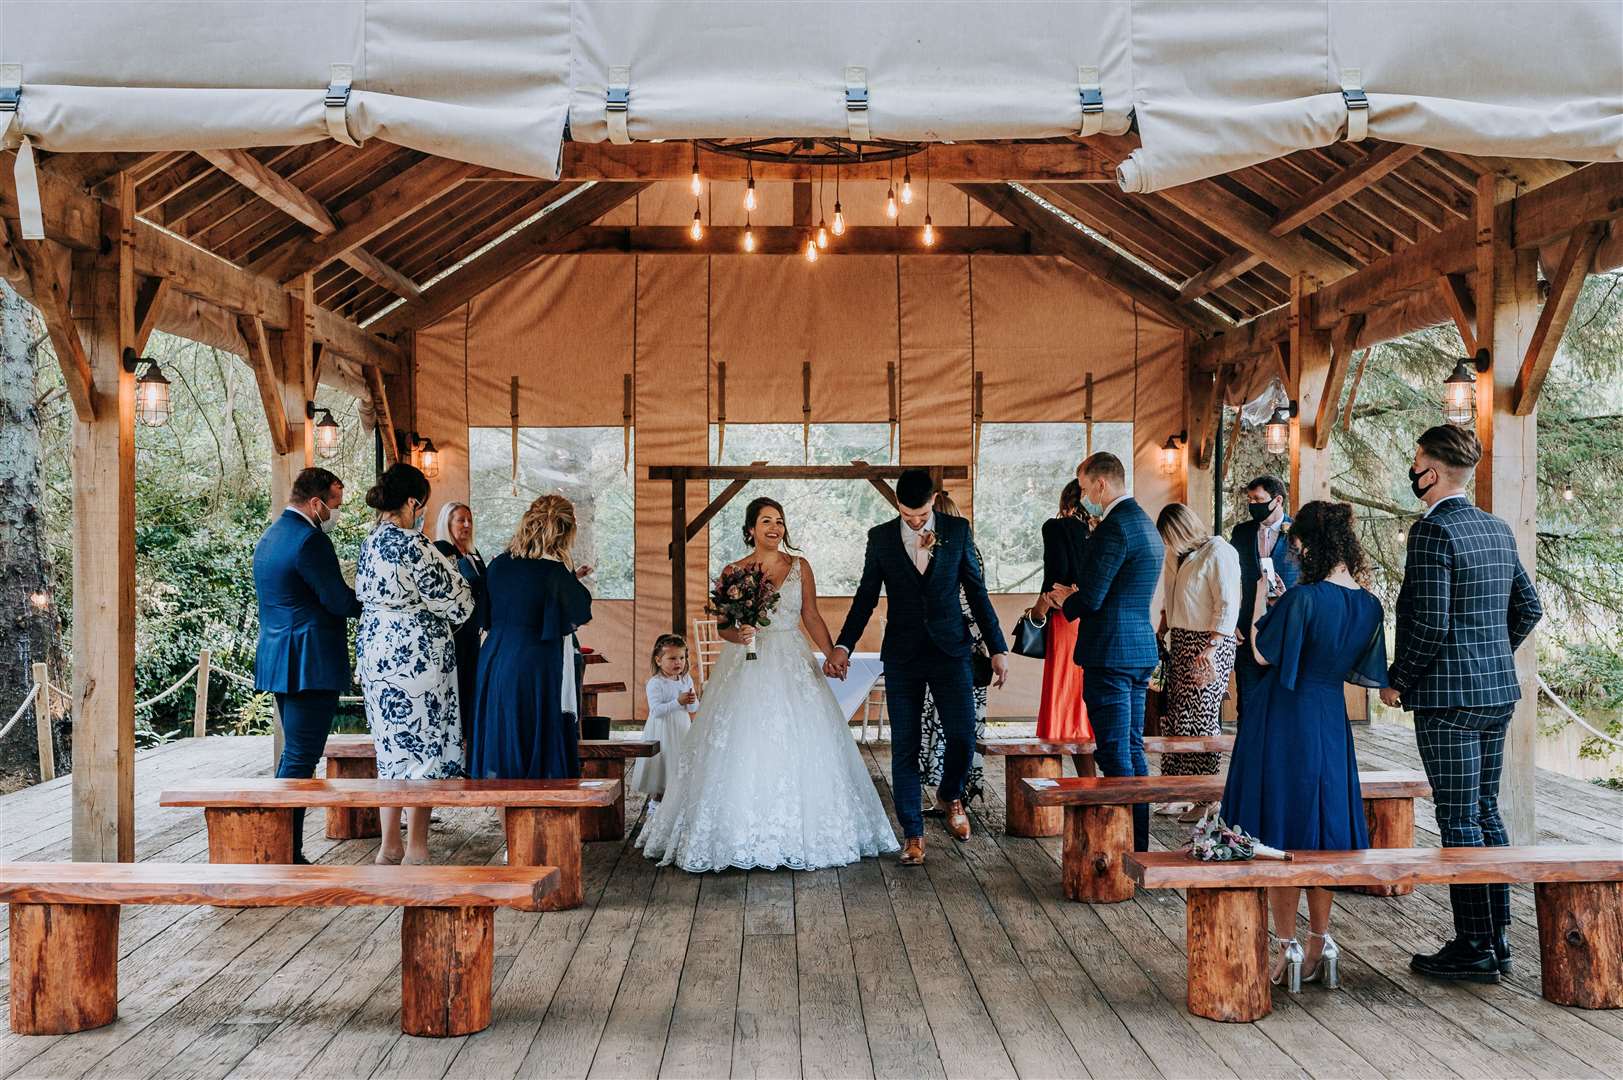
[[200, 711], [42, 723]]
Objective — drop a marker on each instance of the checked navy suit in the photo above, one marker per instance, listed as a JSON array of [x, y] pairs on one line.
[[1115, 642], [927, 644], [1466, 605]]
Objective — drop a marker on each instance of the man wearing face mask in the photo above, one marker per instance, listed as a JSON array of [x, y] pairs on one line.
[[1261, 536], [303, 653], [1466, 605]]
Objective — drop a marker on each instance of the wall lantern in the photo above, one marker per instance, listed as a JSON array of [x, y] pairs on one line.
[[151, 390], [429, 460], [1276, 433], [328, 433], [1459, 389], [1170, 453]]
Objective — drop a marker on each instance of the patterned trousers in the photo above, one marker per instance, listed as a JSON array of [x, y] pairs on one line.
[[1463, 751], [1192, 709]]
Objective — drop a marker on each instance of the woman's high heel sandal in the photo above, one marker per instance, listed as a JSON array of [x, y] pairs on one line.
[[1328, 969], [1288, 968]]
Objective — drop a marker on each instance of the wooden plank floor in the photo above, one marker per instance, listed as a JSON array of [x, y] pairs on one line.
[[973, 967]]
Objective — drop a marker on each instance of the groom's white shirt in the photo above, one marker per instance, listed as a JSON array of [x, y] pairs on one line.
[[910, 541], [1114, 503]]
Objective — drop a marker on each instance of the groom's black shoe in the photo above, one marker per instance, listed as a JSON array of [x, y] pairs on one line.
[[1501, 949], [1463, 959]]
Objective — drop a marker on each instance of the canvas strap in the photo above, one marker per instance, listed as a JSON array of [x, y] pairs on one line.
[[335, 103], [1091, 95], [617, 105], [30, 214], [1352, 92], [856, 103]]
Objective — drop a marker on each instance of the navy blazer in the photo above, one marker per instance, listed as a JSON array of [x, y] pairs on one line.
[[1121, 567], [303, 603], [1244, 539], [1465, 606], [923, 607]]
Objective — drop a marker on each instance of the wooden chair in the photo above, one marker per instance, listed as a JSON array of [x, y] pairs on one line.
[[706, 648]]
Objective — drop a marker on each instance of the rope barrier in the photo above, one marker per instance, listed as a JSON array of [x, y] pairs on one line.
[[1580, 721], [33, 692], [172, 689], [232, 675]]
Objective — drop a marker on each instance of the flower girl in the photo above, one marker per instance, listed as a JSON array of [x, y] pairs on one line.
[[672, 701]]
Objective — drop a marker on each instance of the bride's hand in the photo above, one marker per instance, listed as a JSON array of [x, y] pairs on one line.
[[745, 634]]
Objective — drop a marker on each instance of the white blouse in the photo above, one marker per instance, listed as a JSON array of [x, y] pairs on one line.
[[663, 692], [1203, 592]]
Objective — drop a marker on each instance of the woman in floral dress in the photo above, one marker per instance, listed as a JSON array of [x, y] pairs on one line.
[[412, 600]]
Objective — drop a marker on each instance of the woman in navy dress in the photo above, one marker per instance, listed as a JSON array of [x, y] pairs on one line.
[[526, 721], [1293, 777]]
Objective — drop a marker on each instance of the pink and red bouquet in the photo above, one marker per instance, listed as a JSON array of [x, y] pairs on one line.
[[743, 596]]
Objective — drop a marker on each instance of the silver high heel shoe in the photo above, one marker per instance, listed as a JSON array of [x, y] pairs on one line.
[[1328, 970], [1289, 970]]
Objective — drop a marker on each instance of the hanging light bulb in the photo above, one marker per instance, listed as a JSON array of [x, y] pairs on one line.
[[811, 249], [1459, 394], [152, 397], [749, 236], [839, 220], [429, 460], [1276, 433], [929, 232], [696, 230], [907, 185], [328, 435], [749, 195], [697, 183], [891, 209], [822, 234]]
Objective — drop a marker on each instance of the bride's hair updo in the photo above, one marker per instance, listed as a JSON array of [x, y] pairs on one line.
[[752, 513]]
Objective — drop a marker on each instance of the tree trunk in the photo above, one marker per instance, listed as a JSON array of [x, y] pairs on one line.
[[27, 609]]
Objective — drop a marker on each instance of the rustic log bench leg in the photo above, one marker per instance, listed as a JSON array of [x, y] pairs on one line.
[[1095, 837], [249, 835], [539, 836], [1580, 939], [1391, 825], [64, 967], [446, 957], [608, 823], [1021, 817], [352, 822], [1228, 954]]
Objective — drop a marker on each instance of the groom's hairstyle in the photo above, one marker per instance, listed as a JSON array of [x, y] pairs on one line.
[[1456, 448], [914, 488], [1104, 466]]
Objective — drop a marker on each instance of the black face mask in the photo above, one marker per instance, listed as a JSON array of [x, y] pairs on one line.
[[1415, 486], [1260, 511]]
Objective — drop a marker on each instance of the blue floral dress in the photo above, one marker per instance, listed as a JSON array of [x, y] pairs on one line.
[[412, 600]]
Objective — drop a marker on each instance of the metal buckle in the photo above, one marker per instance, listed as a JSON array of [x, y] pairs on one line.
[[618, 99], [10, 97], [856, 99], [1093, 99], [1355, 98], [337, 96]]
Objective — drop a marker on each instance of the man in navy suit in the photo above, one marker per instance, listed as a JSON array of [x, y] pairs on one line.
[[1115, 642], [1260, 536], [924, 562], [303, 654], [1466, 605]]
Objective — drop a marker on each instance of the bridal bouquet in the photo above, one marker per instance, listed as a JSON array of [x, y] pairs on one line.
[[1215, 841], [743, 596]]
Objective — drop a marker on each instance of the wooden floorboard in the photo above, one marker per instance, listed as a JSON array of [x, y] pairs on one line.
[[975, 966]]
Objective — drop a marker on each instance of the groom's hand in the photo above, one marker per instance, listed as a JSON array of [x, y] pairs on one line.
[[1000, 669], [1391, 698]]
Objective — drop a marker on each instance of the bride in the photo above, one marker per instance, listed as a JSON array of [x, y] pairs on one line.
[[768, 775]]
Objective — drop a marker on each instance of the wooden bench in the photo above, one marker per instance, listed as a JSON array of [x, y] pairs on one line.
[[355, 757], [251, 820], [1026, 759], [1578, 890], [1099, 820], [64, 929]]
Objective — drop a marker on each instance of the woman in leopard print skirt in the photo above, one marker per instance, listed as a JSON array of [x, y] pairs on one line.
[[1201, 586]]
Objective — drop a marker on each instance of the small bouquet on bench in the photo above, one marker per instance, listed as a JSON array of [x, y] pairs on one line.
[[743, 596], [1215, 841]]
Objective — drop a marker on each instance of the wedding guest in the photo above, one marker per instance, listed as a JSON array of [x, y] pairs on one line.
[[528, 715], [412, 599], [1061, 714], [672, 701], [1115, 643], [1293, 778], [454, 539], [1200, 586], [1466, 606], [1261, 536], [932, 736], [303, 652]]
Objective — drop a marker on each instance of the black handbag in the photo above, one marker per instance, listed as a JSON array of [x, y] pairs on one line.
[[1029, 638], [980, 668]]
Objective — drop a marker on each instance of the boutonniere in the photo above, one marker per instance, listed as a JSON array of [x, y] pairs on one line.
[[1284, 528], [931, 542]]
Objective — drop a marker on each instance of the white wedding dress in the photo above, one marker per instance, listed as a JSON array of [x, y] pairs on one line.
[[769, 775]]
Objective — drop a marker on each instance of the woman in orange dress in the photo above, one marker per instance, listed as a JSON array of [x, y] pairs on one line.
[[1062, 717]]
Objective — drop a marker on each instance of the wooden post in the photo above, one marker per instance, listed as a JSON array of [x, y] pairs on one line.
[[679, 555], [609, 822], [249, 835], [1021, 817], [447, 957], [104, 550], [1391, 825], [64, 967], [42, 723], [1095, 839], [1200, 403], [353, 822], [1309, 372], [1227, 940], [291, 362], [1580, 942], [546, 836], [1507, 311], [200, 709]]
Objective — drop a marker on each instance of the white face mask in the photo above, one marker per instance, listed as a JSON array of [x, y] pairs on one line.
[[330, 522]]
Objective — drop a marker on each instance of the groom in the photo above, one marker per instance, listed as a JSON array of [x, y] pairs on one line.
[[923, 561]]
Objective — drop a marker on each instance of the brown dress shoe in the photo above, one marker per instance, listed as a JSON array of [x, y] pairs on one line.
[[913, 851], [957, 820]]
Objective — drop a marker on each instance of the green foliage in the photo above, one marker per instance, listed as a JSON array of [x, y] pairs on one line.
[[254, 715]]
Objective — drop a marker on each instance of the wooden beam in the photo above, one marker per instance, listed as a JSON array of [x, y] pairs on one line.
[[46, 264], [1218, 274], [1343, 343], [1250, 228], [791, 240], [1341, 187], [384, 414], [264, 366], [857, 470], [1565, 286], [271, 186], [1078, 248], [1048, 163], [148, 297], [702, 518], [511, 254], [1309, 370], [375, 269], [1456, 290]]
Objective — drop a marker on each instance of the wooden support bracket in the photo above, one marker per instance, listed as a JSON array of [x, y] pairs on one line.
[[1565, 286]]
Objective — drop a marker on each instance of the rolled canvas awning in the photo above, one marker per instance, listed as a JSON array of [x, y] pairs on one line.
[[1214, 85]]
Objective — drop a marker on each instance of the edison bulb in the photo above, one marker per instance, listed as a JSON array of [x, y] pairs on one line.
[[907, 188], [822, 234], [749, 195], [811, 250], [929, 232], [697, 184], [749, 239], [891, 210], [696, 230], [839, 221]]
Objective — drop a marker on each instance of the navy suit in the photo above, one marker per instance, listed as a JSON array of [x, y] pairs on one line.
[[1247, 672], [927, 644], [1115, 643], [303, 653], [1466, 604]]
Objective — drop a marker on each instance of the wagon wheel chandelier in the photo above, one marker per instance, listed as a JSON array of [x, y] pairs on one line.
[[801, 151]]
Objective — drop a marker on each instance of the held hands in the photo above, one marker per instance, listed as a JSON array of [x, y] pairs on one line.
[[1059, 594], [1391, 698], [838, 664]]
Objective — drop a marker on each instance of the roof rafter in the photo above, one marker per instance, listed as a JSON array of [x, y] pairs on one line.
[[1341, 187]]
